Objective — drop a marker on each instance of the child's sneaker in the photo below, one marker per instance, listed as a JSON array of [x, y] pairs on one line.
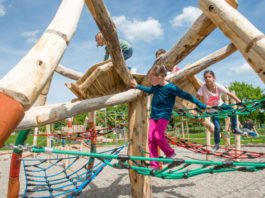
[[155, 168], [215, 148], [238, 131], [172, 156]]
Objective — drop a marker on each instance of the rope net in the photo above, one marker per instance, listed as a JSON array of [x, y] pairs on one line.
[[230, 153], [52, 177], [172, 169], [222, 111]]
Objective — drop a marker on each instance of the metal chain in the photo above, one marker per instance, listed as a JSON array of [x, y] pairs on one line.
[[19, 147]]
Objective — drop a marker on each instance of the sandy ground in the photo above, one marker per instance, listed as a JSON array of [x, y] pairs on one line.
[[115, 183]]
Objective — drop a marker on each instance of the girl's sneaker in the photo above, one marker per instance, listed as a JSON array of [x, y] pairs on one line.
[[172, 156], [215, 148]]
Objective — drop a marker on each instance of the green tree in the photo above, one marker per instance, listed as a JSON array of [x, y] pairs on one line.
[[248, 92], [79, 119]]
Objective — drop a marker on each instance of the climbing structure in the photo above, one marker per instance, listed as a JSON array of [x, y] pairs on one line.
[[35, 70]]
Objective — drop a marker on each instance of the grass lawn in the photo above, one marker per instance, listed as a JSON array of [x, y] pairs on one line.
[[195, 137]]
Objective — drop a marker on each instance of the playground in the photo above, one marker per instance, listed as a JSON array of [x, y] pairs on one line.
[[131, 134], [116, 182]]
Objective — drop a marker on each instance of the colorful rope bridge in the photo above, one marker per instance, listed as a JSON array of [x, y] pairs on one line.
[[44, 180], [174, 169]]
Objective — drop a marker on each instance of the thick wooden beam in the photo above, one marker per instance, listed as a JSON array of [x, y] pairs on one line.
[[201, 64], [199, 30], [69, 73], [140, 184], [244, 35], [108, 29], [42, 98], [38, 116]]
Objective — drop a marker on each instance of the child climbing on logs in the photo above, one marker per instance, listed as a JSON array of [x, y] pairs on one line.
[[159, 53], [126, 48], [164, 95], [210, 93]]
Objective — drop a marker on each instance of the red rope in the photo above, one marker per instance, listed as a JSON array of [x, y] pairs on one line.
[[230, 153]]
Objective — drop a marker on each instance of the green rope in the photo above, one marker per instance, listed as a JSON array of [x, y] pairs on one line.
[[244, 108], [174, 169]]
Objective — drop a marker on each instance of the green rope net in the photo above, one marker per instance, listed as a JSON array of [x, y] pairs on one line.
[[222, 111], [173, 168]]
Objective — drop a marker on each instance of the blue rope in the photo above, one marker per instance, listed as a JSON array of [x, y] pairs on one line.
[[55, 185]]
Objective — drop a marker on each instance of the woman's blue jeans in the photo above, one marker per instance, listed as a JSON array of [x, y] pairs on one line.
[[217, 127]]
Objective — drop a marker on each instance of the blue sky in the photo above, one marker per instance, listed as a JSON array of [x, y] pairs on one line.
[[147, 24]]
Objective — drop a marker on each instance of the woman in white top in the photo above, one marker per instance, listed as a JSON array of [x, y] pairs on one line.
[[210, 93]]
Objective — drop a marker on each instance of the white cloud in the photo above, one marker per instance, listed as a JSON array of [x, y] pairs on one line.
[[188, 15], [30, 36], [2, 9], [135, 30], [244, 69]]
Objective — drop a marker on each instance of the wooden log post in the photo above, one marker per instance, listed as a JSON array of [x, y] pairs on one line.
[[48, 140], [48, 133], [237, 137], [84, 131], [187, 129], [208, 140], [14, 183], [39, 116], [140, 184], [227, 126], [182, 128], [35, 138], [93, 140], [107, 28], [244, 35], [21, 86], [67, 145]]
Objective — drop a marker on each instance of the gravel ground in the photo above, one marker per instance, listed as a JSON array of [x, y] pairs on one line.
[[115, 183]]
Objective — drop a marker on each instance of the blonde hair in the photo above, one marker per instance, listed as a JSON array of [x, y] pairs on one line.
[[159, 70]]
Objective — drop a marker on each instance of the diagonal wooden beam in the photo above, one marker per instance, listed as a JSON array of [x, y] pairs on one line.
[[201, 64], [242, 33], [108, 29]]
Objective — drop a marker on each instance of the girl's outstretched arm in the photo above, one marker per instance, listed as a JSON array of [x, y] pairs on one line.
[[141, 87], [233, 96]]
